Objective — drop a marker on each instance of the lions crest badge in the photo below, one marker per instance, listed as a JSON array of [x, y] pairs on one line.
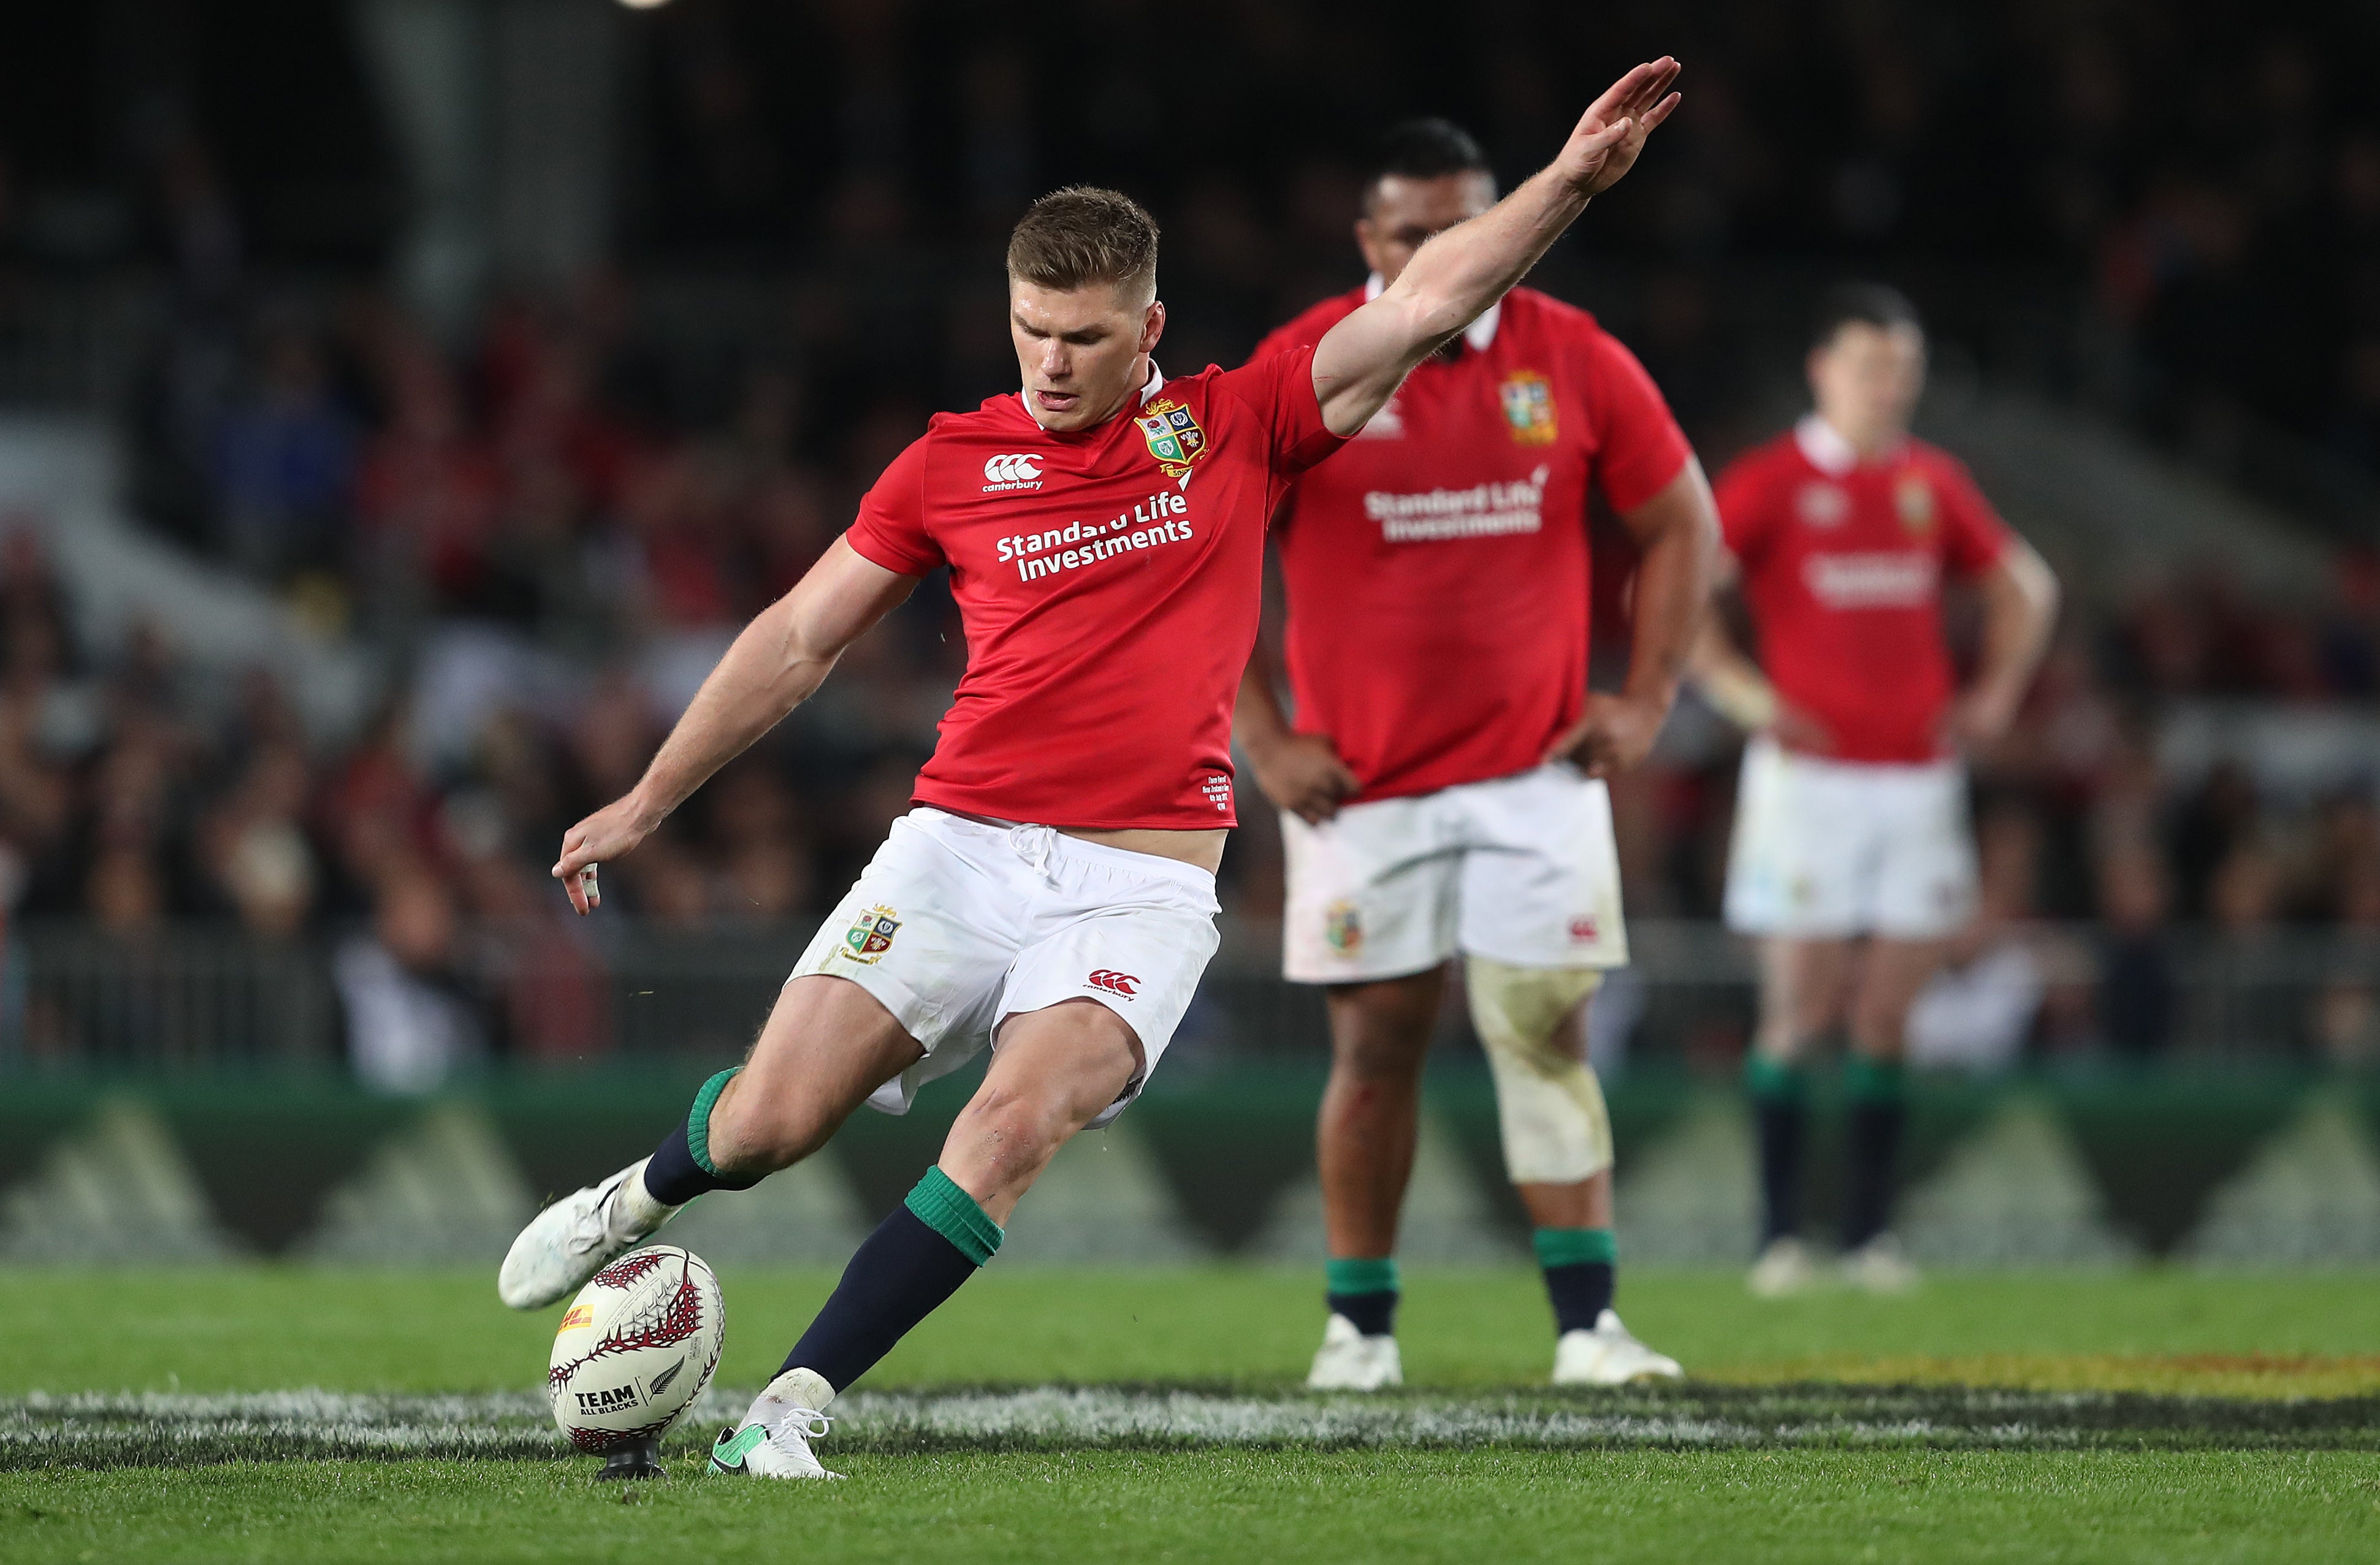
[[1528, 399], [1343, 927], [1913, 498], [871, 935], [1174, 436]]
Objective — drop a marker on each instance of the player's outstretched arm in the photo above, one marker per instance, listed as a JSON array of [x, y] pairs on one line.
[[1458, 275], [773, 667]]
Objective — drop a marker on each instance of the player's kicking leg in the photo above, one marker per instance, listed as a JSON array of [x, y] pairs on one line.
[[1056, 1071], [828, 1044], [1556, 1136]]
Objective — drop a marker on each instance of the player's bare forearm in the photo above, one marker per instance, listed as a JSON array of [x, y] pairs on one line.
[[1361, 361], [2019, 607], [1257, 720], [773, 666], [1677, 535], [1299, 772]]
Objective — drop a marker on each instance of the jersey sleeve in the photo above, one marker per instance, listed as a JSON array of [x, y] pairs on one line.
[[1973, 537], [891, 526], [1279, 390], [1745, 497], [1639, 448]]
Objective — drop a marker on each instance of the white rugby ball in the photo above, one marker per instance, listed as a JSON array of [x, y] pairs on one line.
[[635, 1348]]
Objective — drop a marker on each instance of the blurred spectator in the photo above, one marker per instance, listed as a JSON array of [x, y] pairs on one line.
[[2136, 986], [285, 465], [410, 1027], [1977, 1013]]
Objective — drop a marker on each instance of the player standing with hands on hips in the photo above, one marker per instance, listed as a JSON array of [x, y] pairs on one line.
[[1852, 860], [1052, 894], [1443, 781]]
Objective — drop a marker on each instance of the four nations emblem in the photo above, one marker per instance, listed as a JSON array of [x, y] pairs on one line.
[[1174, 436], [871, 935], [1528, 399]]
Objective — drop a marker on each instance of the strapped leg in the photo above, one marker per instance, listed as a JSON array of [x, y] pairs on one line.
[[1548, 1103]]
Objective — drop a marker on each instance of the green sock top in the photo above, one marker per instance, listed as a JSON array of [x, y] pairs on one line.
[[1868, 1080], [698, 1119], [950, 1211], [1770, 1080], [1574, 1246], [1360, 1274]]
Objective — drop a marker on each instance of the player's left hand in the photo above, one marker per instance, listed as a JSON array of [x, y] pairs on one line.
[[1614, 733], [1980, 717], [1609, 136]]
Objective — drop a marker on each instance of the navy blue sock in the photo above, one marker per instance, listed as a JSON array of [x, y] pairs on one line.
[[1364, 1290], [1581, 1270], [681, 1167], [918, 1257], [1779, 1118], [1877, 1113]]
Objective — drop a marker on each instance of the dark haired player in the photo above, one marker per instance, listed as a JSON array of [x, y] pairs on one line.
[[1052, 893], [1852, 861], [1442, 783]]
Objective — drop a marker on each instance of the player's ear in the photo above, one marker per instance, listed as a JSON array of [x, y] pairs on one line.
[[1152, 325]]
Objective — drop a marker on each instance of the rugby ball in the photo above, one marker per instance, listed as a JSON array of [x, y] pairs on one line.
[[635, 1348]]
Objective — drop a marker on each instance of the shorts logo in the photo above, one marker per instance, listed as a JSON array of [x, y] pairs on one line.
[[1174, 436], [1113, 982], [1014, 471], [1217, 791], [1913, 498], [1343, 927], [1528, 399], [1583, 929], [580, 1315], [871, 935]]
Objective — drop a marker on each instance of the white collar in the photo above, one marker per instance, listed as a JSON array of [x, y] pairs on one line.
[[1149, 388], [1823, 446], [1479, 333]]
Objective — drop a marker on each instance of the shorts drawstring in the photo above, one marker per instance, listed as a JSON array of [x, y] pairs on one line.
[[1033, 845]]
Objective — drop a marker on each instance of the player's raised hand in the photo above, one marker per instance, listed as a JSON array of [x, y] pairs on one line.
[[1614, 733], [1609, 136], [609, 834], [1303, 774]]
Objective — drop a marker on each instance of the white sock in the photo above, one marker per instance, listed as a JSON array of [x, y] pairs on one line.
[[794, 1389]]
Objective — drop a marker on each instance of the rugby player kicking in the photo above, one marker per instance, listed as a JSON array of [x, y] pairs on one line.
[[1852, 861], [1052, 894], [1441, 782]]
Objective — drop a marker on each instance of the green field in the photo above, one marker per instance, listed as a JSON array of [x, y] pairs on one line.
[[2148, 1415]]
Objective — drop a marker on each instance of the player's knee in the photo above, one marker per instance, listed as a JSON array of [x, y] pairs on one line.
[[1548, 1104], [752, 1131]]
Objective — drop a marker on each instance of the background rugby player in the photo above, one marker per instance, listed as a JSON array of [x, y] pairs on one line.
[[1442, 779], [1052, 894], [1852, 860]]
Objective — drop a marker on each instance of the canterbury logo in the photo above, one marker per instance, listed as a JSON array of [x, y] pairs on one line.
[[1114, 982], [1016, 470]]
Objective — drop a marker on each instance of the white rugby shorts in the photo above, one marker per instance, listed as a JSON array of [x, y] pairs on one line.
[[1522, 870], [956, 926], [1829, 849]]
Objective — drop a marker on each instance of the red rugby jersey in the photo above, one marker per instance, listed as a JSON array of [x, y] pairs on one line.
[[1109, 581], [1436, 567], [1843, 560]]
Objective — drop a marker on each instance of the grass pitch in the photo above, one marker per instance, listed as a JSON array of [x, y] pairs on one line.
[[272, 1413]]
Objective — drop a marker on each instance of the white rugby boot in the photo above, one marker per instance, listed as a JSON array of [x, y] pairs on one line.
[[1609, 1355], [1784, 1268], [1878, 1267], [774, 1441], [577, 1236], [1349, 1360]]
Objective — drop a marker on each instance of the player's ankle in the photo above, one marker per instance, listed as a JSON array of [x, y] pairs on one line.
[[1364, 1290]]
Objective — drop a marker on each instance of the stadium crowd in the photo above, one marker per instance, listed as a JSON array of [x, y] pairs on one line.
[[554, 525]]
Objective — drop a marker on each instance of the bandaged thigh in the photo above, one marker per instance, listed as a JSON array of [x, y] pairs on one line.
[[1548, 1103]]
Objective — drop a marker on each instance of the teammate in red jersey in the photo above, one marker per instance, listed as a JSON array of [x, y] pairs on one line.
[[1441, 784], [1052, 894], [1852, 862]]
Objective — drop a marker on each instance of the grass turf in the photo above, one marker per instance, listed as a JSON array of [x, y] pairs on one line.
[[1904, 1476], [2310, 1334], [1502, 1505]]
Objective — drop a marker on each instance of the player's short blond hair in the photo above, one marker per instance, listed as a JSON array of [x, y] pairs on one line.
[[1082, 235]]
